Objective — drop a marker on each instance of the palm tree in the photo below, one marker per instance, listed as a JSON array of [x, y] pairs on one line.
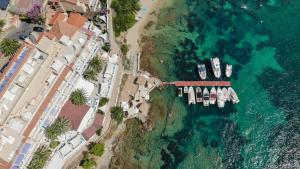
[[78, 97], [96, 64], [9, 46], [39, 158], [62, 124], [89, 74], [51, 133]]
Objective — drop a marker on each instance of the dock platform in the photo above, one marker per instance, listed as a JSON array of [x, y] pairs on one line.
[[198, 83]]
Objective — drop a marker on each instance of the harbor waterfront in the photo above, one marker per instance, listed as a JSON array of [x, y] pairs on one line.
[[260, 39]]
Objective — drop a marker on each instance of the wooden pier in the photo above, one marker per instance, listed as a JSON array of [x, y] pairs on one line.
[[198, 83]]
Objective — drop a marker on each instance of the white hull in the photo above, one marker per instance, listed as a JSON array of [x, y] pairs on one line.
[[205, 97], [213, 96], [185, 89], [220, 98], [225, 94], [191, 96], [215, 64], [228, 70], [233, 96]]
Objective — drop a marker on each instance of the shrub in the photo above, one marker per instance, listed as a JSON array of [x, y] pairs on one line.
[[117, 113], [124, 49], [54, 144], [96, 149], [87, 163], [106, 48], [103, 101], [98, 131], [100, 112]]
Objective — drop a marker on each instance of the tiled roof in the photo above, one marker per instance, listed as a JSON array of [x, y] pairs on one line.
[[58, 16], [62, 28], [97, 124], [74, 113], [76, 20]]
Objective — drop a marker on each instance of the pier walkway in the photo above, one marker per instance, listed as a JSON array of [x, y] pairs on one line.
[[198, 83]]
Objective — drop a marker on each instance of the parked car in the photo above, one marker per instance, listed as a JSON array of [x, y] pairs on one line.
[[23, 37], [38, 29]]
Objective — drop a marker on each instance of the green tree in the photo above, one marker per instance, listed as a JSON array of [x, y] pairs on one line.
[[125, 14], [103, 101], [39, 158], [9, 46], [96, 149], [117, 113], [78, 97]]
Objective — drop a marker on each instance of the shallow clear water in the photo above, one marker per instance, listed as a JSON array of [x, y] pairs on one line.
[[262, 40]]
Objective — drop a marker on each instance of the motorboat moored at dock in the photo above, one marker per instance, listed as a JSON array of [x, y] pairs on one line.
[[179, 91], [213, 96], [228, 70], [198, 94], [225, 94], [215, 64], [205, 97], [233, 96], [220, 98], [185, 89], [191, 96], [202, 71]]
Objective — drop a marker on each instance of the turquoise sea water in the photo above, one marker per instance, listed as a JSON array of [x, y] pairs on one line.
[[261, 39]]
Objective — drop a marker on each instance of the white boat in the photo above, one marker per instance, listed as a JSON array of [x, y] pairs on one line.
[[191, 96], [179, 92], [185, 89], [215, 64], [220, 98], [198, 95], [205, 97], [233, 96], [225, 94], [213, 96], [202, 71], [228, 70]]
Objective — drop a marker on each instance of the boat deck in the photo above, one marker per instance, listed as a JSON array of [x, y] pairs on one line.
[[198, 83]]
